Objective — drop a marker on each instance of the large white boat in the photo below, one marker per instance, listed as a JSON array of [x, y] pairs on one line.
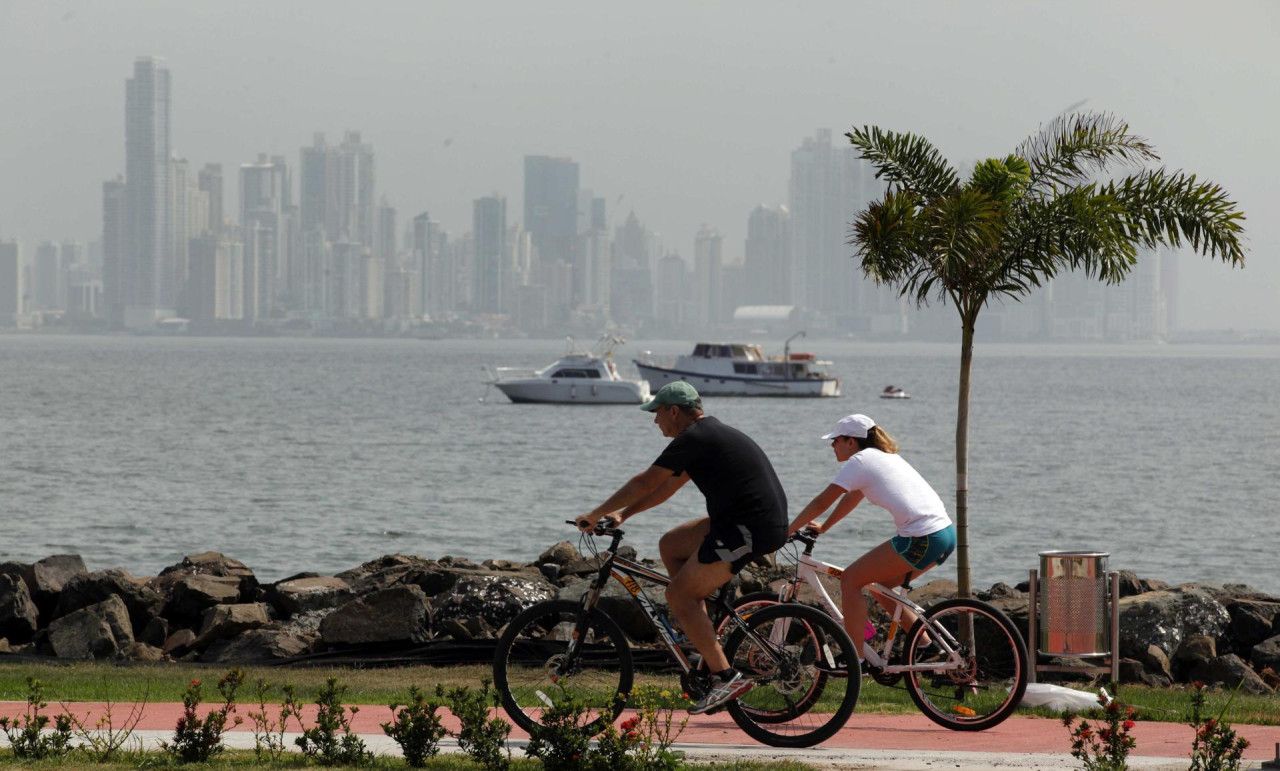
[[575, 378], [741, 369]]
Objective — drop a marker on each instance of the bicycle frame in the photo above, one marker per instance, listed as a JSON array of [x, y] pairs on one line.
[[807, 570]]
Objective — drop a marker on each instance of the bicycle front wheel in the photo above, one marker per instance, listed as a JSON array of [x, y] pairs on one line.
[[987, 685], [534, 668], [800, 659]]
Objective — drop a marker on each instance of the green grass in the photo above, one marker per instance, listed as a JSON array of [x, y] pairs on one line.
[[166, 682]]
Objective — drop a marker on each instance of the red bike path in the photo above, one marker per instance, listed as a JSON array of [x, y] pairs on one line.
[[1017, 735]]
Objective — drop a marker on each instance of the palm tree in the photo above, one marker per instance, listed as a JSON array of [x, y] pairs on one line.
[[1019, 221]]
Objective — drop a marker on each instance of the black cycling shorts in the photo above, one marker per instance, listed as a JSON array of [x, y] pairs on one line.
[[738, 543]]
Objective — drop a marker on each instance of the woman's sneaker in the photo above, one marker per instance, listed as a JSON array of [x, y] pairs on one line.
[[722, 692]]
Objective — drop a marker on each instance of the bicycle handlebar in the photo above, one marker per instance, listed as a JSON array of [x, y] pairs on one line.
[[600, 528]]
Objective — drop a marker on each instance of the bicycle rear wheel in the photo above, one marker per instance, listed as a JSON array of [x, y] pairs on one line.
[[533, 669], [989, 684], [800, 659]]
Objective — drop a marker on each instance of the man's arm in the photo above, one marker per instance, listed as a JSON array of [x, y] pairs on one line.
[[656, 496], [633, 491]]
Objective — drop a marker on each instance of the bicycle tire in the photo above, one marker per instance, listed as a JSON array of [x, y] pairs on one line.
[[994, 678], [745, 606], [537, 640], [811, 643]]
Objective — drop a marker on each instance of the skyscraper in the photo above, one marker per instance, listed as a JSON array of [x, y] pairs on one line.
[[551, 206], [488, 266], [47, 293], [708, 260], [148, 277], [767, 261], [264, 198], [210, 182], [114, 227], [10, 282]]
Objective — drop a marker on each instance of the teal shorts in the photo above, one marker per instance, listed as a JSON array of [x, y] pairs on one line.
[[924, 551]]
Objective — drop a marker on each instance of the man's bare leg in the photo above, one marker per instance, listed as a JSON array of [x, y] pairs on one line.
[[681, 542]]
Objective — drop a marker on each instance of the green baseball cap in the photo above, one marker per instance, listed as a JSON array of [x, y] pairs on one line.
[[679, 393]]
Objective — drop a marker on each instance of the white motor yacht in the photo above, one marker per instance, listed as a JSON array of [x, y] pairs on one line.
[[741, 369], [575, 378]]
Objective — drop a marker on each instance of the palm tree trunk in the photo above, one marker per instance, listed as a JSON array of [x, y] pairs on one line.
[[969, 319]]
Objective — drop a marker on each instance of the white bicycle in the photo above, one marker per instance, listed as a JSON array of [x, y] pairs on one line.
[[963, 662]]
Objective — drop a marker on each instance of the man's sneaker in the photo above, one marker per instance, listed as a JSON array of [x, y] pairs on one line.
[[722, 692]]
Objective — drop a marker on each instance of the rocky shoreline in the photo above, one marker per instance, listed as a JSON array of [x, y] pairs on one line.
[[211, 608]]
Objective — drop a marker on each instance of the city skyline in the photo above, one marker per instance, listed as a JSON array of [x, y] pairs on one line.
[[718, 158]]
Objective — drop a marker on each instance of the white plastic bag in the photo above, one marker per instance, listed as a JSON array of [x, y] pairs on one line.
[[1061, 699]]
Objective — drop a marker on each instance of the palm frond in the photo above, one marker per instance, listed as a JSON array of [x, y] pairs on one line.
[[1172, 207], [905, 160], [1073, 147], [1081, 228]]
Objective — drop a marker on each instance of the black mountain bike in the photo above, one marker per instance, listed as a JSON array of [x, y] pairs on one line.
[[561, 650]]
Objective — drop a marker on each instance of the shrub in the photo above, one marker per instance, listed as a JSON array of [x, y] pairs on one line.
[[26, 734], [1103, 745], [562, 742], [642, 742], [416, 727], [481, 737], [195, 739], [1216, 747], [322, 742], [268, 732]]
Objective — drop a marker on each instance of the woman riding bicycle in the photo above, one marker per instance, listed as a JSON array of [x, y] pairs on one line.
[[872, 469]]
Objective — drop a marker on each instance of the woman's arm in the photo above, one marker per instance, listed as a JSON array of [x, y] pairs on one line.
[[820, 503], [846, 504]]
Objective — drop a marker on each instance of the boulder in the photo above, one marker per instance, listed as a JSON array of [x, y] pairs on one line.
[[51, 574], [1251, 622], [1156, 662], [140, 651], [933, 592], [1134, 671], [191, 594], [155, 633], [1194, 651], [19, 618], [257, 646], [1229, 593], [222, 622], [179, 643], [1230, 671], [494, 598], [85, 589], [301, 595], [1166, 618], [503, 565], [618, 605], [400, 614], [1267, 654], [212, 563], [390, 570], [561, 554], [98, 631], [1131, 584]]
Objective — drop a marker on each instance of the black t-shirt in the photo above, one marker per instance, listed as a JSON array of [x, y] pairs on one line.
[[731, 471]]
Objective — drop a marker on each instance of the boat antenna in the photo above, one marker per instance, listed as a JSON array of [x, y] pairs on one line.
[[786, 354]]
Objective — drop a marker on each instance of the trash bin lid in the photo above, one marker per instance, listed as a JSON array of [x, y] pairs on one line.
[[1075, 553]]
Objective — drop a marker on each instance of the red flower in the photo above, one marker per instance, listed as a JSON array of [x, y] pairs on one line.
[[1128, 725]]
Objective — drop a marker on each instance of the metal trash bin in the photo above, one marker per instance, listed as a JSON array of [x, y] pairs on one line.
[[1073, 604]]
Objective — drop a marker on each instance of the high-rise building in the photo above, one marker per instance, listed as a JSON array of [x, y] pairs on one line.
[[551, 207], [210, 183], [767, 266], [114, 227], [264, 202], [181, 189], [337, 190], [670, 306], [385, 244], [488, 264], [10, 282], [708, 262], [631, 300], [48, 280], [210, 286], [435, 293], [148, 279]]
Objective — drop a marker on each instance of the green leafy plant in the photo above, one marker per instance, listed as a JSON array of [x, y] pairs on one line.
[[416, 727], [562, 741], [197, 739], [26, 733], [322, 742], [1104, 744], [109, 738], [640, 743], [653, 729], [1216, 746], [268, 731], [480, 736]]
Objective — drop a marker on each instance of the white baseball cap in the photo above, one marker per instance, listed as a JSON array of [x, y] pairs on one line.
[[856, 426]]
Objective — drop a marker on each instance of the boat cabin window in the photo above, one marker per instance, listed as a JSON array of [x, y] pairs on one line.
[[587, 373], [744, 369], [702, 349], [741, 351], [724, 351]]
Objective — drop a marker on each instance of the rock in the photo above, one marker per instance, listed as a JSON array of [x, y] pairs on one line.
[[581, 567], [1001, 591], [212, 563], [384, 572], [301, 595], [222, 622], [935, 591], [179, 643], [87, 589], [618, 605], [1267, 654], [193, 593], [98, 631], [1270, 677], [1251, 622], [140, 651], [505, 565], [399, 614], [1134, 671], [155, 633], [561, 554], [1229, 593], [1156, 662], [1230, 671], [257, 646], [494, 598], [1130, 584], [19, 618], [1166, 618], [458, 562], [1193, 651], [550, 571]]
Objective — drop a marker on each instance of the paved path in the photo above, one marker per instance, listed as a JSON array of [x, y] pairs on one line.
[[902, 742]]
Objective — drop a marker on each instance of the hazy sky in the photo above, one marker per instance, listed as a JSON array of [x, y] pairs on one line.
[[685, 112]]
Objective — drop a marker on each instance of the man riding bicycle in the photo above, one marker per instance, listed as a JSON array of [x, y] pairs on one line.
[[746, 518]]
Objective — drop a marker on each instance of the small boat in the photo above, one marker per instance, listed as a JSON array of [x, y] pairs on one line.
[[575, 378], [741, 369], [894, 392]]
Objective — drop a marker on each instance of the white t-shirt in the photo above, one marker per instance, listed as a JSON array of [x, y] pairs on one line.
[[889, 482]]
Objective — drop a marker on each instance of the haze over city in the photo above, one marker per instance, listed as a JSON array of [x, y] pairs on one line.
[[686, 115]]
